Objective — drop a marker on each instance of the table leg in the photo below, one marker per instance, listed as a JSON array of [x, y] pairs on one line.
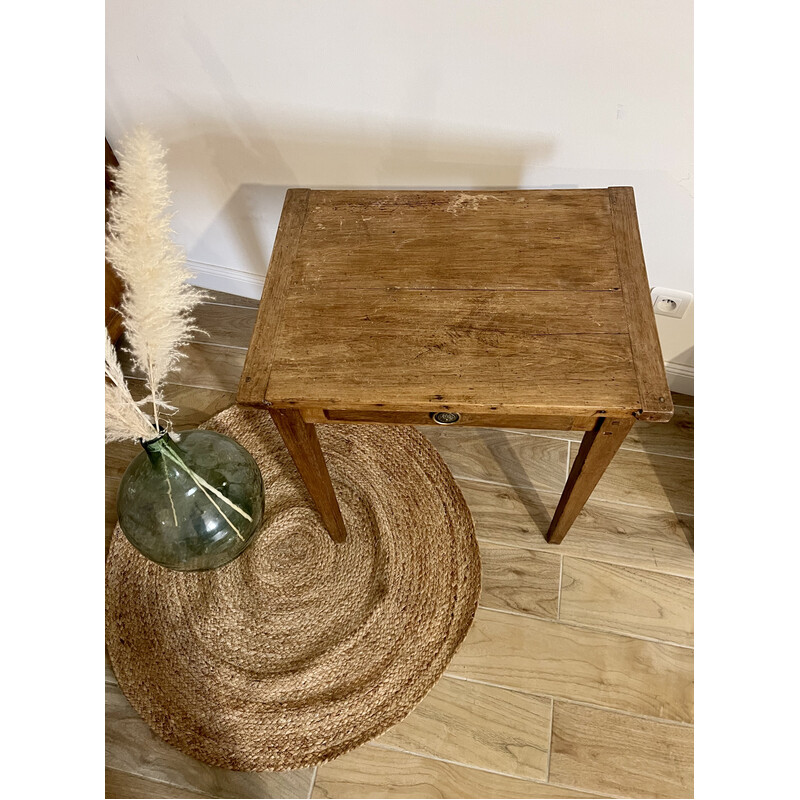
[[597, 449], [303, 446]]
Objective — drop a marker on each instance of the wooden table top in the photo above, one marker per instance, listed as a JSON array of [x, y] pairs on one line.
[[520, 302]]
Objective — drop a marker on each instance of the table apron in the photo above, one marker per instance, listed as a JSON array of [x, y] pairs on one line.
[[466, 419]]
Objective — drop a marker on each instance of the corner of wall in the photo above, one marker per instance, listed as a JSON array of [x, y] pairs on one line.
[[225, 279], [679, 377]]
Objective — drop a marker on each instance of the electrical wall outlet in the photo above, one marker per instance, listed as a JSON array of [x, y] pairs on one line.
[[670, 302]]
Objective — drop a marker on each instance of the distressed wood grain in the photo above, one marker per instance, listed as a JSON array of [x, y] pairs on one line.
[[117, 457], [654, 393], [596, 450], [232, 326], [673, 438], [628, 535], [125, 784], [373, 772], [620, 755], [194, 405], [628, 600], [467, 350], [571, 663], [209, 366], [525, 581], [558, 240], [132, 747], [501, 456], [255, 376], [227, 299], [480, 726], [649, 480]]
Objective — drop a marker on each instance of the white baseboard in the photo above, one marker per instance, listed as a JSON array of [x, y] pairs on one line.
[[680, 377], [225, 279], [248, 284]]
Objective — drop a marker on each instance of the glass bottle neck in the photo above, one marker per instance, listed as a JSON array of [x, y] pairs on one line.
[[155, 447]]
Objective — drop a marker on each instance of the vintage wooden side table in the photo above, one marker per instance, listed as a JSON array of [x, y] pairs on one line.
[[512, 309]]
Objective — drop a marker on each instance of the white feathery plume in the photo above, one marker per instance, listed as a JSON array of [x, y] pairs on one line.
[[124, 419], [157, 299]]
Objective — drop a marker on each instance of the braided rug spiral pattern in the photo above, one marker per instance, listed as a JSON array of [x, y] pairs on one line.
[[302, 649]]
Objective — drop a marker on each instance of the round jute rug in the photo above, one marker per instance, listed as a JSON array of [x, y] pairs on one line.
[[302, 649]]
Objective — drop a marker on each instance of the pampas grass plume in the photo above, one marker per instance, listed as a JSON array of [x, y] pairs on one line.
[[156, 303], [124, 419], [157, 299]]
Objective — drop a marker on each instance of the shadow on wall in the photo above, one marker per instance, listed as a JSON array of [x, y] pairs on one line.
[[238, 178], [231, 161], [686, 357]]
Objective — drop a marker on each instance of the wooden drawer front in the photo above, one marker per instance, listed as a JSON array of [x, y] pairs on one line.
[[543, 422]]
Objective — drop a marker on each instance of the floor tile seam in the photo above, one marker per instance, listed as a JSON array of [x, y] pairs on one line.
[[164, 783], [641, 636], [201, 342], [393, 749], [646, 717], [569, 451], [543, 549], [584, 626], [510, 431], [623, 446], [627, 448], [654, 453], [192, 385], [174, 380], [572, 701], [624, 566], [557, 493], [219, 344], [550, 737], [313, 781], [229, 305], [554, 491]]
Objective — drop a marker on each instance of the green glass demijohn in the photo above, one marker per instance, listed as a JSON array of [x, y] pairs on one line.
[[192, 504]]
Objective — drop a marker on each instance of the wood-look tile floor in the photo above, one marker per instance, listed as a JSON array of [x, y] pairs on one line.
[[576, 678]]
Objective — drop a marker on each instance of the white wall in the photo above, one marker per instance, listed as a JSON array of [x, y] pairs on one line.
[[254, 96]]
